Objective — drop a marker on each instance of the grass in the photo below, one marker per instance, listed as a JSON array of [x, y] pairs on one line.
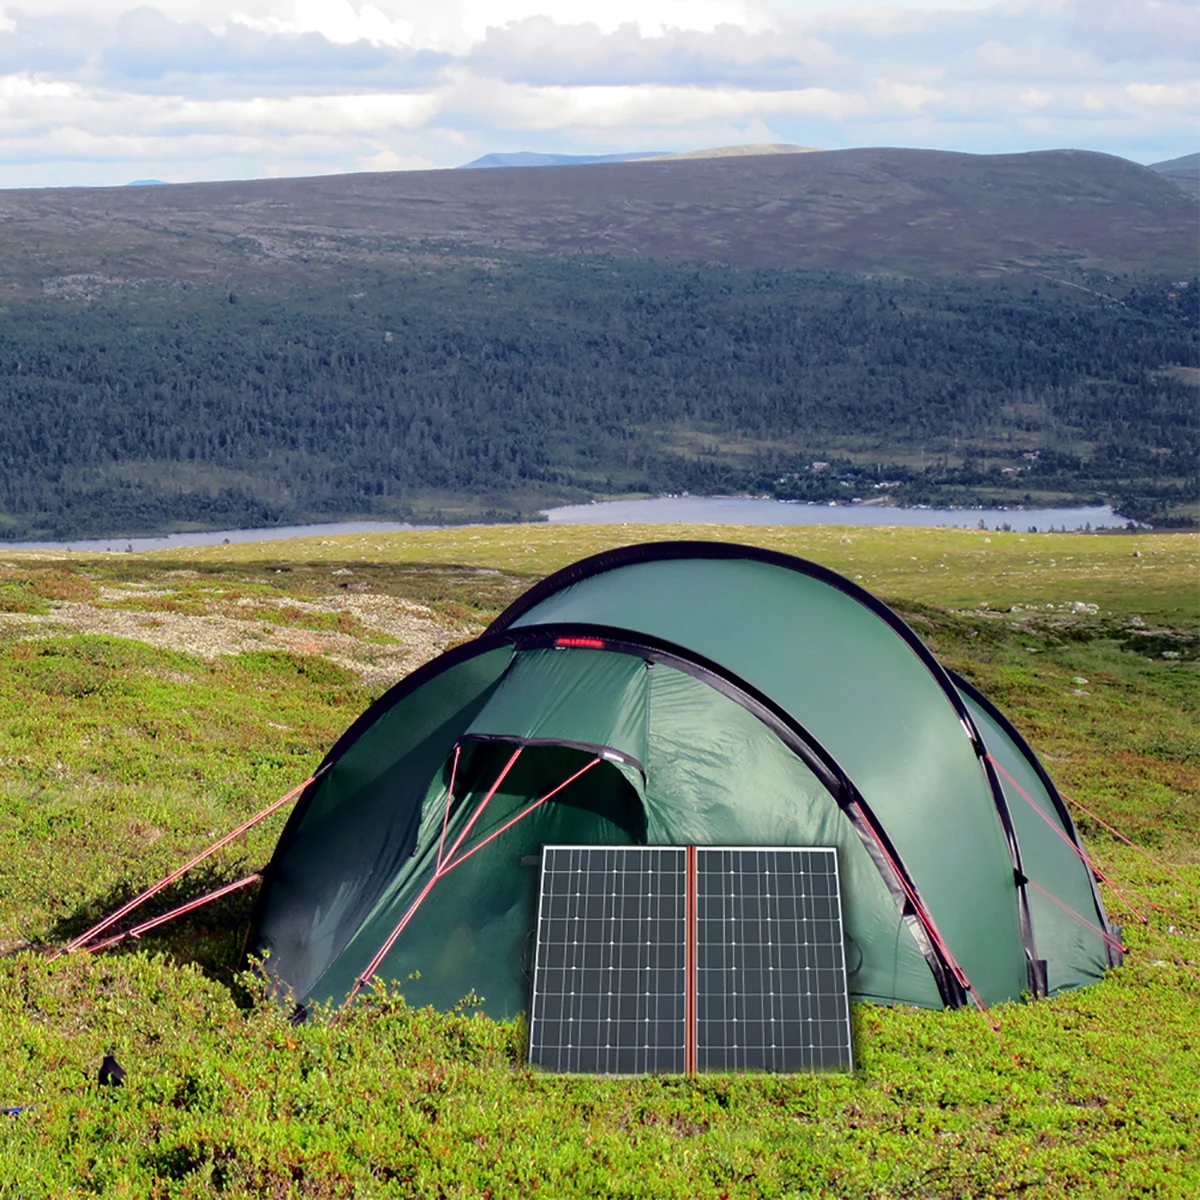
[[119, 758]]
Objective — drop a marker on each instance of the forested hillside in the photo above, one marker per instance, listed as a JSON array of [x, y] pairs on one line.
[[476, 384]]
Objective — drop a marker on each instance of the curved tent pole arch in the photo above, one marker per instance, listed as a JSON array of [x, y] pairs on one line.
[[948, 974], [648, 552]]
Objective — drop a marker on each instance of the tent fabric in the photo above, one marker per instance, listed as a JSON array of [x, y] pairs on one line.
[[1074, 956], [724, 695], [874, 704], [599, 700]]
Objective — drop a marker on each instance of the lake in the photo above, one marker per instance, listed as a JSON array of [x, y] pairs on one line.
[[663, 510], [745, 510]]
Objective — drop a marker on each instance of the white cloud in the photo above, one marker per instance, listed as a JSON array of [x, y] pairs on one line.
[[912, 97], [1031, 58], [460, 24], [337, 21], [1164, 95], [1138, 30], [524, 107], [255, 86], [652, 17], [539, 51], [390, 160]]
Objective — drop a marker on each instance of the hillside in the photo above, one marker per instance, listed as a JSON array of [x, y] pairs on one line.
[[472, 344], [1184, 171], [463, 387], [915, 212]]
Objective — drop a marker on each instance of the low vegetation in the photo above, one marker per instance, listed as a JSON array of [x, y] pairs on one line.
[[151, 702]]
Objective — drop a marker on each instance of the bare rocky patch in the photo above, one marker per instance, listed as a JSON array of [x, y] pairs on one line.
[[411, 633]]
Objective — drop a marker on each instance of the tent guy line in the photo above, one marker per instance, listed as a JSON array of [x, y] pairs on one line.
[[140, 899]]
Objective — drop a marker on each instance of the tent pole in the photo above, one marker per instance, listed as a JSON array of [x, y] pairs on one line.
[[446, 865]]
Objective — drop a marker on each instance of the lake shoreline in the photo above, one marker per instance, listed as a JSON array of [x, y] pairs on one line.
[[659, 510]]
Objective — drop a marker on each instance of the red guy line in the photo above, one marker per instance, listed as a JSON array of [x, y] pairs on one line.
[[138, 901], [1133, 845], [689, 1001], [1108, 937], [462, 858], [1141, 916], [930, 928], [1041, 812], [439, 871], [508, 766], [146, 926], [449, 802]]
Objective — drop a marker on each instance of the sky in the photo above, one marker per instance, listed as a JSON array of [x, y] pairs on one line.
[[102, 92]]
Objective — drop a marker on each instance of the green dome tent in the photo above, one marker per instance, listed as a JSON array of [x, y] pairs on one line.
[[683, 693]]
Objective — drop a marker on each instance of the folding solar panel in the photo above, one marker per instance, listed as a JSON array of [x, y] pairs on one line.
[[676, 959]]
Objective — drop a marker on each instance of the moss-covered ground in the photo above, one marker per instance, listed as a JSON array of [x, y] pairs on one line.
[[125, 749]]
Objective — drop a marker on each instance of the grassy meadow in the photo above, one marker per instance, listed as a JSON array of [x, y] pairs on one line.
[[149, 703]]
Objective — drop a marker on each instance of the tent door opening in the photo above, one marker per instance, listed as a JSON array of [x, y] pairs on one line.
[[489, 900]]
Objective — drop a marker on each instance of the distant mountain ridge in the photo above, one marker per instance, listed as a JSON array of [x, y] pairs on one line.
[[1184, 171], [529, 158], [749, 150], [893, 211]]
